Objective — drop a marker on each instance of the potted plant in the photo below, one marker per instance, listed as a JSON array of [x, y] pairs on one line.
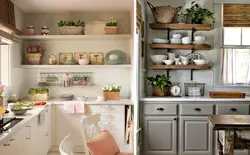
[[111, 92], [111, 26], [161, 85], [38, 94], [198, 14], [71, 27]]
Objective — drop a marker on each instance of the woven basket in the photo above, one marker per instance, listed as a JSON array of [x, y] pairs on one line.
[[111, 95], [34, 58], [111, 29], [71, 30]]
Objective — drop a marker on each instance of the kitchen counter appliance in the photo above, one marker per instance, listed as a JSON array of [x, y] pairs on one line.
[[8, 123]]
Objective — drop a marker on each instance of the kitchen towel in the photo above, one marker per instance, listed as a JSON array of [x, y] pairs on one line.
[[74, 107]]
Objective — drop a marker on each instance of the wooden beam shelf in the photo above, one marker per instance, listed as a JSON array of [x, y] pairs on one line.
[[181, 46], [200, 27], [180, 67], [9, 28]]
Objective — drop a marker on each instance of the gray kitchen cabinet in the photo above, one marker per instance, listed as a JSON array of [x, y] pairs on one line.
[[196, 136], [160, 135]]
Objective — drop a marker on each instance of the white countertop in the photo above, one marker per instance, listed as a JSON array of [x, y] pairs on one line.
[[26, 119], [193, 99]]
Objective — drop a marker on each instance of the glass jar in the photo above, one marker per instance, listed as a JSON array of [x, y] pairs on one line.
[[45, 30], [30, 30], [14, 98], [52, 59]]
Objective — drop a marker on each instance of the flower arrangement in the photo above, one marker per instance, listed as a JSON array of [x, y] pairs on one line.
[[111, 88], [112, 22]]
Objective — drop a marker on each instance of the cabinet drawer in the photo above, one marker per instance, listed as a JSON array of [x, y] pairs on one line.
[[229, 109], [105, 109], [112, 117], [160, 109], [194, 109], [112, 125]]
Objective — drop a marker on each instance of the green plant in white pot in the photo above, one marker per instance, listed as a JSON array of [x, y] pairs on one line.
[[111, 26]]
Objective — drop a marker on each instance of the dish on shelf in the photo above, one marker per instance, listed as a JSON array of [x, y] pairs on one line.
[[67, 97], [168, 62], [158, 59], [160, 41], [115, 57], [175, 41], [177, 36], [200, 62], [81, 55], [83, 61], [195, 56], [199, 42], [199, 38]]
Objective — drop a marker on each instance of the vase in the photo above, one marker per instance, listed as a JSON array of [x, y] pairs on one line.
[[158, 92], [111, 95], [197, 21], [111, 29]]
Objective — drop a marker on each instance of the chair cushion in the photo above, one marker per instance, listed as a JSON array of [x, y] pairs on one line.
[[122, 153], [103, 144]]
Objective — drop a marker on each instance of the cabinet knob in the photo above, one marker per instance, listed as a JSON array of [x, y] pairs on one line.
[[197, 109], [233, 109], [175, 119], [160, 109]]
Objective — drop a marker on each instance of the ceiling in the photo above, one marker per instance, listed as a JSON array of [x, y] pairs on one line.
[[51, 6]]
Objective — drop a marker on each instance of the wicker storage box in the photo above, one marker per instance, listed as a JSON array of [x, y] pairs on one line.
[[111, 95], [111, 29], [71, 30], [34, 58], [38, 97], [194, 89]]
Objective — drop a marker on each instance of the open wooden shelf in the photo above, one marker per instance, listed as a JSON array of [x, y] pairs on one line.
[[200, 27], [9, 28], [181, 46], [180, 67]]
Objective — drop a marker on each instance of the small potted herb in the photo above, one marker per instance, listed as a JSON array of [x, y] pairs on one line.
[[71, 27], [198, 14], [38, 94], [111, 26], [111, 92], [161, 85]]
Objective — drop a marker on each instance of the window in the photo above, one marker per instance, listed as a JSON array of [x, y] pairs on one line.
[[236, 46]]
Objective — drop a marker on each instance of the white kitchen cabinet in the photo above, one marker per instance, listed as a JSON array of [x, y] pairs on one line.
[[14, 145]]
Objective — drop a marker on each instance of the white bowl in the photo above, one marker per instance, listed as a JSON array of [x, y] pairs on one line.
[[186, 38], [168, 62], [177, 36], [198, 42], [185, 62], [186, 41], [200, 62], [160, 41], [199, 38], [175, 41], [83, 61], [157, 59]]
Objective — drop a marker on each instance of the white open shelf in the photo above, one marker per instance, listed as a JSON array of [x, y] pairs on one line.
[[77, 37], [74, 66]]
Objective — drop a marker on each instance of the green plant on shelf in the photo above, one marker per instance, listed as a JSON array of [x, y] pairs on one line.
[[78, 23], [112, 22], [198, 14]]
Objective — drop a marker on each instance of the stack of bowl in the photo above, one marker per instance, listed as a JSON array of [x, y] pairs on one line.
[[186, 40], [176, 39], [199, 40]]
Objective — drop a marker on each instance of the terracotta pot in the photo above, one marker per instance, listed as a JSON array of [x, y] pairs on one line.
[[111, 29], [111, 95], [158, 92]]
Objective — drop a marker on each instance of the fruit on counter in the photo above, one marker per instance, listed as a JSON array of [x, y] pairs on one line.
[[34, 91], [27, 104], [2, 110], [39, 104]]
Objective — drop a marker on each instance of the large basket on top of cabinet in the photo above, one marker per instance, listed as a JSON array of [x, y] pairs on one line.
[[71, 30]]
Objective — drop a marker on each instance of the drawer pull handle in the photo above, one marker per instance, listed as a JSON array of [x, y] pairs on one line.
[[197, 109], [6, 145], [175, 119], [233, 109], [160, 109]]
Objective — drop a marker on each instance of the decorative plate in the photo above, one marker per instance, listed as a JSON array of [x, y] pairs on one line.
[[194, 56], [64, 57], [115, 57]]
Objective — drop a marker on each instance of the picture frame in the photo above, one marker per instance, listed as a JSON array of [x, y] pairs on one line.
[[96, 58], [82, 55], [63, 57]]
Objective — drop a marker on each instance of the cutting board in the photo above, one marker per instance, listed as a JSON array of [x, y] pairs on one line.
[[226, 94]]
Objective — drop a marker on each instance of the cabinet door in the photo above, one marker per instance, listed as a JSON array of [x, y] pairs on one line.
[[160, 135], [196, 136]]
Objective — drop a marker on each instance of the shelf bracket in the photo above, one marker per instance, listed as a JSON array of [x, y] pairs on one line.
[[192, 74], [168, 29], [167, 73]]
